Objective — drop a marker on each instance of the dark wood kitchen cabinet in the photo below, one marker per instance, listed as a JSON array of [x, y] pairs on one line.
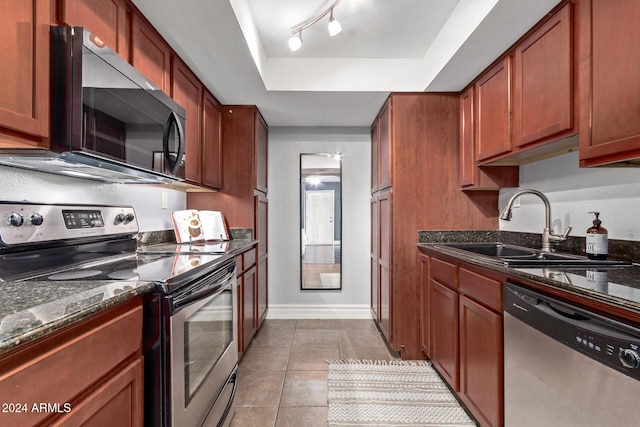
[[609, 42], [150, 53], [79, 369], [261, 209], [473, 177], [480, 346], [211, 158], [443, 319], [105, 19], [464, 329], [247, 297], [419, 191], [24, 94], [523, 107], [187, 91], [493, 111], [543, 98]]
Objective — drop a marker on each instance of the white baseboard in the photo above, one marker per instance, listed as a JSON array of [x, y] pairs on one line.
[[311, 311]]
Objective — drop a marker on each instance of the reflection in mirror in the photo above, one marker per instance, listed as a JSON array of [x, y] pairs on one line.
[[320, 221]]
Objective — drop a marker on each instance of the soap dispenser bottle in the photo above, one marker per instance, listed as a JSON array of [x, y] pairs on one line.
[[597, 240]]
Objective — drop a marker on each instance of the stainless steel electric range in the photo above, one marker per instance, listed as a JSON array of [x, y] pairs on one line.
[[190, 319]]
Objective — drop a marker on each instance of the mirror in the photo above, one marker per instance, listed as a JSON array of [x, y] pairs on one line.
[[320, 221]]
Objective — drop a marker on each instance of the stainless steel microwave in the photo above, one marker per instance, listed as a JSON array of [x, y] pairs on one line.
[[106, 114]]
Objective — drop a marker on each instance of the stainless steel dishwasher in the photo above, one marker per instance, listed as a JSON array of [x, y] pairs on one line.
[[565, 366]]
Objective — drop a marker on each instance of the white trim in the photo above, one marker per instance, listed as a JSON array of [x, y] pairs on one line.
[[313, 311]]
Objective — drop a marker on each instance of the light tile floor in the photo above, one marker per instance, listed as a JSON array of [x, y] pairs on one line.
[[283, 375]]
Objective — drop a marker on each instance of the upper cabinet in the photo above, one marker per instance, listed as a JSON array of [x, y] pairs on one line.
[[493, 107], [609, 43], [24, 94], [543, 75], [187, 91], [106, 19], [523, 107], [211, 159], [150, 54], [384, 149], [473, 177]]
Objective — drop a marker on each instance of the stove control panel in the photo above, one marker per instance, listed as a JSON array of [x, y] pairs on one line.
[[27, 223]]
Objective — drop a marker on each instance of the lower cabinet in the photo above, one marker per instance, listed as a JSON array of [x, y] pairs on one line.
[[248, 298], [90, 373], [481, 361], [463, 308]]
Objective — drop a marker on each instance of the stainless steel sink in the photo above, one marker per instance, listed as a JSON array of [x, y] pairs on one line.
[[518, 256]]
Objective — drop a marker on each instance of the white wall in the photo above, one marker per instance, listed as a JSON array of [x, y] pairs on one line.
[[573, 192], [23, 185], [286, 300]]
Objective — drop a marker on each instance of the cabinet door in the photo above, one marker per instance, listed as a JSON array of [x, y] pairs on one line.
[[493, 111], [24, 94], [467, 141], [187, 91], [384, 263], [262, 212], [375, 242], [543, 77], [150, 54], [385, 151], [247, 313], [424, 305], [211, 142], [106, 19], [481, 362], [375, 134], [118, 402], [609, 42], [443, 329], [263, 292], [261, 141]]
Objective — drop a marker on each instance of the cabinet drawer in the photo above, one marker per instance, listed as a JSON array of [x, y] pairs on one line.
[[62, 373], [482, 289], [444, 272], [246, 260]]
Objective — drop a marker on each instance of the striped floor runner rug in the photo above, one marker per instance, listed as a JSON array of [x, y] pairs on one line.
[[390, 393]]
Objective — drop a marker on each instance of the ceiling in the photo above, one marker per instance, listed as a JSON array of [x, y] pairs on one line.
[[239, 49]]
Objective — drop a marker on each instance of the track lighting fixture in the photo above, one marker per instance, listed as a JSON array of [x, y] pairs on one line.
[[334, 25], [295, 42]]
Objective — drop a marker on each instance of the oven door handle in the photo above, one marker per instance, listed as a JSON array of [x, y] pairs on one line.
[[181, 301]]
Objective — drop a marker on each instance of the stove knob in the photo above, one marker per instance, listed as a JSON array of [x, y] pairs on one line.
[[16, 220], [129, 217], [36, 219], [629, 358], [119, 218]]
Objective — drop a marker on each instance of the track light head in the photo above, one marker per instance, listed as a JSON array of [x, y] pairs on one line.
[[295, 41], [334, 26]]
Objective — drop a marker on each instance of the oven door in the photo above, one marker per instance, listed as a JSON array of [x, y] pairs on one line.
[[203, 353]]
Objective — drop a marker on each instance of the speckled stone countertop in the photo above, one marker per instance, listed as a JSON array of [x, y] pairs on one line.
[[614, 286], [33, 309]]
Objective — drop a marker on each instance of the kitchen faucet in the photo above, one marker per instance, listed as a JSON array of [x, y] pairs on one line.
[[547, 234]]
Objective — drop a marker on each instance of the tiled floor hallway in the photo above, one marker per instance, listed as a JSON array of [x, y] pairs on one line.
[[283, 374]]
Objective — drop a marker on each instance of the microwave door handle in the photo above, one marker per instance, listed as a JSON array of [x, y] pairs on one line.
[[173, 120]]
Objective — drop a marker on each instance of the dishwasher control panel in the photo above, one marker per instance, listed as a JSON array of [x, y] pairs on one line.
[[608, 341]]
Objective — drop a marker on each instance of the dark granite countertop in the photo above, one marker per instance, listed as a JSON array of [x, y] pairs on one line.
[[32, 309], [614, 286]]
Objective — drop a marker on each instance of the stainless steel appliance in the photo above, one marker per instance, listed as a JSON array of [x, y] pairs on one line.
[[566, 366], [190, 320], [108, 121]]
